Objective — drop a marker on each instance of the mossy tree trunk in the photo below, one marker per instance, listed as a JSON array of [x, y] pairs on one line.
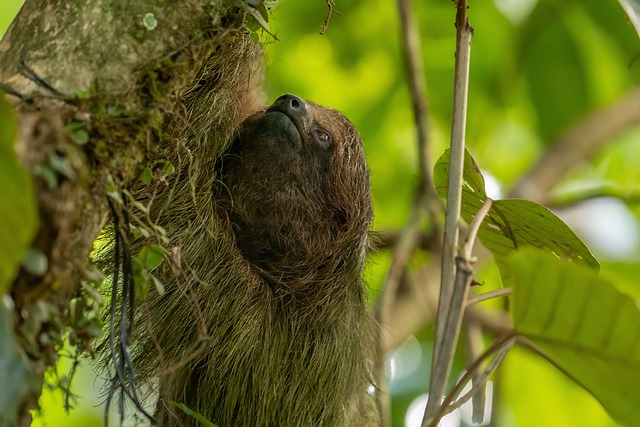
[[118, 70]]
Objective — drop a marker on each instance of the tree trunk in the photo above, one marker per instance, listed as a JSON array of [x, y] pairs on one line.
[[121, 71]]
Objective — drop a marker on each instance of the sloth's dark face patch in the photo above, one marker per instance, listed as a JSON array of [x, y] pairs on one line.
[[300, 188]]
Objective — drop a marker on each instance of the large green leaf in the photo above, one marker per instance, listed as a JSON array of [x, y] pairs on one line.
[[17, 205], [17, 376], [583, 325], [512, 223]]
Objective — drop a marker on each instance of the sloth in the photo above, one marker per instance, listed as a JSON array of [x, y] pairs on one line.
[[266, 322]]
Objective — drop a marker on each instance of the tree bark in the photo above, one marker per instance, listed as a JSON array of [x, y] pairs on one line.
[[121, 70]]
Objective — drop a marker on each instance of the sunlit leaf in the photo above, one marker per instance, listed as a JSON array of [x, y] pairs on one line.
[[17, 205], [17, 376], [512, 223], [472, 179], [583, 325], [632, 8]]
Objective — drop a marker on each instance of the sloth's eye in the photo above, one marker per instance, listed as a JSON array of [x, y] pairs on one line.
[[324, 139]]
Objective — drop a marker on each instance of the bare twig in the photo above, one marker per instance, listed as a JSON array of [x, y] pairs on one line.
[[441, 367], [578, 143], [427, 198], [475, 344], [488, 295], [406, 245], [501, 347], [412, 53], [426, 191], [331, 4], [454, 196]]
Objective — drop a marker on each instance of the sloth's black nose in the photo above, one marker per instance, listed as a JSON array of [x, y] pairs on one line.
[[290, 105]]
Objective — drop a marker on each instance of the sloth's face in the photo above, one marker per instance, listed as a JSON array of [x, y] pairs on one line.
[[297, 182]]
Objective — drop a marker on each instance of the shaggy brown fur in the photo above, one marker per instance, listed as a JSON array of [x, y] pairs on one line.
[[264, 320]]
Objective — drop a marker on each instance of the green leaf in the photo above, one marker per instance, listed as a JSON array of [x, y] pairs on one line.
[[512, 223], [168, 168], [151, 256], [583, 325], [198, 416], [472, 179], [75, 125], [17, 376], [261, 18], [146, 176], [77, 133], [141, 281], [80, 137], [18, 218]]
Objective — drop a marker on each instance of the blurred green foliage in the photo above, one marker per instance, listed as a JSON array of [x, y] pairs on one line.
[[536, 68], [17, 225]]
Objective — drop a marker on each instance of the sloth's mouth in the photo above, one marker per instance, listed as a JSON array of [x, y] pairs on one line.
[[289, 128]]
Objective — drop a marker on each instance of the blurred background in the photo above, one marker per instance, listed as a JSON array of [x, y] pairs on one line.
[[537, 67]]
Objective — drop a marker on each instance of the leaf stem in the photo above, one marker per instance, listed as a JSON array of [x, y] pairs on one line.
[[474, 227]]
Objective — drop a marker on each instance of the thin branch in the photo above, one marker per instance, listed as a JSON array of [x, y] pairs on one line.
[[441, 367], [488, 295], [475, 344], [426, 192], [455, 313], [412, 53], [331, 5], [579, 142], [407, 243], [501, 347], [446, 343], [402, 254], [427, 198]]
